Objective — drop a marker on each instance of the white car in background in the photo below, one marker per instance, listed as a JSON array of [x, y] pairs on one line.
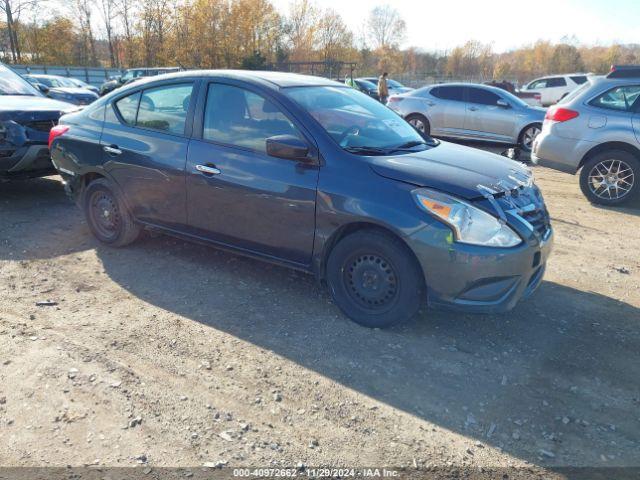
[[555, 87]]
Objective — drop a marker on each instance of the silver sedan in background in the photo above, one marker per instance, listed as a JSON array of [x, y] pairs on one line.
[[470, 112]]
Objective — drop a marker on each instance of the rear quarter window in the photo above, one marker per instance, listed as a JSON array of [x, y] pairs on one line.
[[621, 99], [127, 107]]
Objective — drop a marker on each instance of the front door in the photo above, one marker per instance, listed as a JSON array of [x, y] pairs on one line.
[[236, 193], [485, 118], [144, 143]]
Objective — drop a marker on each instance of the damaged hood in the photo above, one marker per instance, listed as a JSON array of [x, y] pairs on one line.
[[462, 171], [11, 105]]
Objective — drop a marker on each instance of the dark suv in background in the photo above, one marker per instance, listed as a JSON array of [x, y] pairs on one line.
[[313, 175], [26, 116]]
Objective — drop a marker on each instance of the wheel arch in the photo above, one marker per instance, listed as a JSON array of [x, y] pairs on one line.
[[527, 125], [603, 147], [358, 226]]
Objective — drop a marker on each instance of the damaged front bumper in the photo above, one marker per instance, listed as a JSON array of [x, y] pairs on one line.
[[23, 148]]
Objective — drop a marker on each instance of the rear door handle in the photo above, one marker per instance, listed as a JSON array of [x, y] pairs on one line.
[[473, 109], [208, 170], [113, 150]]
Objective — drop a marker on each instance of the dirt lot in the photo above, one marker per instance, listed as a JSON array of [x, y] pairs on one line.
[[173, 354]]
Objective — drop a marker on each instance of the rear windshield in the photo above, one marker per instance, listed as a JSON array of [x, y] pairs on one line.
[[574, 93]]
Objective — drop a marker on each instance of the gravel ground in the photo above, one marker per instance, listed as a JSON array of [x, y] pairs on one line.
[[172, 354]]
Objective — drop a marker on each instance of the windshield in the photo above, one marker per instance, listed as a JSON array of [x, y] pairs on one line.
[[13, 84], [357, 122], [574, 93]]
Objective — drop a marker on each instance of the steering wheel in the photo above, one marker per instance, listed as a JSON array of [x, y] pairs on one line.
[[353, 130]]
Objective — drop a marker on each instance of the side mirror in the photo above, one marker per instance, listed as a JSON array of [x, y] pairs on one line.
[[43, 88], [503, 104], [288, 147]]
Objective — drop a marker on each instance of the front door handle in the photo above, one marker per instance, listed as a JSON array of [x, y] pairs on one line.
[[208, 170], [113, 150], [473, 109]]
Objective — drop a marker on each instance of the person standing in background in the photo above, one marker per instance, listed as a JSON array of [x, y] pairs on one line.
[[383, 89]]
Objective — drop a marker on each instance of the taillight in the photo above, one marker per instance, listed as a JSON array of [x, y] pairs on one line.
[[56, 132], [395, 99], [558, 114], [537, 96]]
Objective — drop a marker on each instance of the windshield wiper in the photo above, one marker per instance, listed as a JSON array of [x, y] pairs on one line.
[[367, 150], [414, 143]]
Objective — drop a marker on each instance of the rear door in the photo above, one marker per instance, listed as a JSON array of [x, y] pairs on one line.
[[485, 118], [236, 193], [446, 110], [144, 147]]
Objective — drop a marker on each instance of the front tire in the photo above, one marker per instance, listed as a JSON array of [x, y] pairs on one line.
[[528, 135], [107, 215], [419, 122], [375, 279], [611, 178]]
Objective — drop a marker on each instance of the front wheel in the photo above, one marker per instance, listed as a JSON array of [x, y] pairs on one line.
[[528, 135], [107, 215], [375, 279], [610, 178]]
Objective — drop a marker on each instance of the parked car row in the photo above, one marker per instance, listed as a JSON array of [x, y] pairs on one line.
[[63, 88]]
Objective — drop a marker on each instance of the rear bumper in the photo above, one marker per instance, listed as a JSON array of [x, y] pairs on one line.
[[477, 279], [564, 154]]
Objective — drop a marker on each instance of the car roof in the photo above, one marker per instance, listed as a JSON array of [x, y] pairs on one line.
[[270, 79]]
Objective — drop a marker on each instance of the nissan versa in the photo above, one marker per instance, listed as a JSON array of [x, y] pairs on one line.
[[313, 175]]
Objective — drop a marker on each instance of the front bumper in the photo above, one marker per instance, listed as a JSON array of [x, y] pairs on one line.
[[25, 161], [478, 279]]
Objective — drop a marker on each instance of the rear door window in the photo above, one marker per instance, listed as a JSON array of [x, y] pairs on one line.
[[556, 82], [579, 79], [449, 93], [618, 98], [165, 108]]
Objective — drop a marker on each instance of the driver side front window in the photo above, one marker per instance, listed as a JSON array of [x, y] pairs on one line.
[[236, 116]]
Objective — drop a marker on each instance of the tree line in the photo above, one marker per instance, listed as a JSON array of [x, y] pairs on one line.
[[253, 34]]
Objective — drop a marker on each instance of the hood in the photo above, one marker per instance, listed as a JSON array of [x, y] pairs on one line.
[[32, 103], [454, 169]]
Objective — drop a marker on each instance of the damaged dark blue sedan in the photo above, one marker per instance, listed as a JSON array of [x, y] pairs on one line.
[[313, 175], [26, 117]]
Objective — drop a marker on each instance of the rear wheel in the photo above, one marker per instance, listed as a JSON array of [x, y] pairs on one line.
[[610, 177], [419, 122], [528, 135], [374, 279], [107, 215]]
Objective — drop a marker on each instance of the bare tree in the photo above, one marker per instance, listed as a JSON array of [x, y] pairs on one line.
[[84, 9], [108, 8], [12, 10], [386, 26]]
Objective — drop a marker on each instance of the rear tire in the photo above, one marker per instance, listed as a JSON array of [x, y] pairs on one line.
[[528, 135], [375, 279], [107, 215], [419, 122], [611, 178]]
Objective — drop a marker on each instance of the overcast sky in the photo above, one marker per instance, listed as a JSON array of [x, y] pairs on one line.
[[442, 24]]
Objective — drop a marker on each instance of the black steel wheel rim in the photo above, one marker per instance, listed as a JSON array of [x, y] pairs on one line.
[[371, 282], [105, 215]]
